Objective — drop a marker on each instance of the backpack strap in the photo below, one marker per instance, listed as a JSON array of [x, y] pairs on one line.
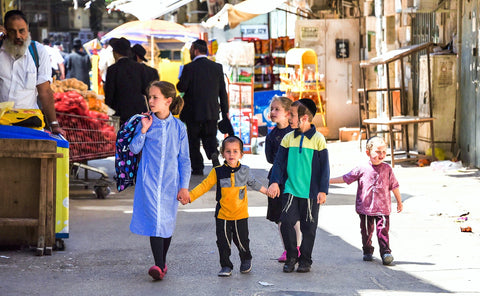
[[33, 51]]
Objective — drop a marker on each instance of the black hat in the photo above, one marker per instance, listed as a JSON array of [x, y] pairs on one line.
[[120, 45], [311, 106], [139, 51], [225, 126], [77, 42]]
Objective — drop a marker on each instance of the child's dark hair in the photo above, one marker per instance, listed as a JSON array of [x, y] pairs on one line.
[[303, 110], [231, 139], [168, 90]]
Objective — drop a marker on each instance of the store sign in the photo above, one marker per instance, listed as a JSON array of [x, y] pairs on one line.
[[309, 33], [254, 31]]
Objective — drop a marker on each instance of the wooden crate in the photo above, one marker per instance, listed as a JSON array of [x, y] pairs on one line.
[[347, 134], [27, 195]]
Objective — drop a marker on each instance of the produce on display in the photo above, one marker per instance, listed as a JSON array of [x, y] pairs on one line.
[[83, 117]]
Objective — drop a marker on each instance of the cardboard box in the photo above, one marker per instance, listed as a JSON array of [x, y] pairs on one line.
[[347, 134]]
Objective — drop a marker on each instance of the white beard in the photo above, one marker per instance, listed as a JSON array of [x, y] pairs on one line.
[[16, 51]]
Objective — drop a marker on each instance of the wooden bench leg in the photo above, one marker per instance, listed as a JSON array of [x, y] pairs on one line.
[[42, 208], [49, 221]]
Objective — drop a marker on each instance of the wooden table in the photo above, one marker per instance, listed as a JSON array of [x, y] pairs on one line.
[[402, 120]]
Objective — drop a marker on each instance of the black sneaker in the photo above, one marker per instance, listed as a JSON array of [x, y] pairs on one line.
[[246, 266], [304, 267], [289, 265], [368, 257], [225, 271]]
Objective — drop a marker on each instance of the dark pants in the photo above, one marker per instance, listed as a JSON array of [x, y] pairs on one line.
[[160, 247], [238, 230], [205, 131], [306, 211], [367, 225]]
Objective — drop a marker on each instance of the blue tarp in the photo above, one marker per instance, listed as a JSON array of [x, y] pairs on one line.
[[18, 132]]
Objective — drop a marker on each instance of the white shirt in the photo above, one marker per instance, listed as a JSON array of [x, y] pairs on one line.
[[19, 78], [55, 57]]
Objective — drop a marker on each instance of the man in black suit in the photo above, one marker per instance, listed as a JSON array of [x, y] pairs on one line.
[[203, 83], [126, 82], [139, 56]]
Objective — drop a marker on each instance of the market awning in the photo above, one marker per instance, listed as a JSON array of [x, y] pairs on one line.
[[147, 9], [233, 15]]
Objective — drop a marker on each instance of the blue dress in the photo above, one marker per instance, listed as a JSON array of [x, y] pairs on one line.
[[164, 168]]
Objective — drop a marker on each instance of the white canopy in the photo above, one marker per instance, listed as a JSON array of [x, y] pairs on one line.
[[233, 15], [147, 9]]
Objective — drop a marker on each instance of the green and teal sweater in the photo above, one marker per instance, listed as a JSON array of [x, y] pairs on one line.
[[302, 164]]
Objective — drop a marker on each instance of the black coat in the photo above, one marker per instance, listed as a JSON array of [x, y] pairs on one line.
[[152, 74], [78, 65], [203, 83], [125, 88]]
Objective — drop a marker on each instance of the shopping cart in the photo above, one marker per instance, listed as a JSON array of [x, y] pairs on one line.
[[90, 137]]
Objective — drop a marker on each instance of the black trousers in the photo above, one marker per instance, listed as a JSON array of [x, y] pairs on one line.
[[236, 230], [160, 247], [205, 131], [306, 211]]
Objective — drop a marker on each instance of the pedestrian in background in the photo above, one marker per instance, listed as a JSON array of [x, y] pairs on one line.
[[231, 214], [78, 64], [302, 165], [105, 60], [21, 79], [373, 202], [139, 56], [203, 83], [126, 82], [163, 175], [279, 114], [56, 59]]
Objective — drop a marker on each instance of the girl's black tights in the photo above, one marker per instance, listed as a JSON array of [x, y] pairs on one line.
[[160, 247]]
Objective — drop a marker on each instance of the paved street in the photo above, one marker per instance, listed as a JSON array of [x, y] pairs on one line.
[[432, 255]]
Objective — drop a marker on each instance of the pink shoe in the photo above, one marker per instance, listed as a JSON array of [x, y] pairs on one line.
[[156, 273], [298, 248], [165, 269], [283, 258]]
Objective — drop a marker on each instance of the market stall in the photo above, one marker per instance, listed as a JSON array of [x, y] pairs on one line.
[[34, 207], [237, 57]]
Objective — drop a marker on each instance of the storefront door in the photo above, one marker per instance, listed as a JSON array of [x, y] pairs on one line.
[[469, 129]]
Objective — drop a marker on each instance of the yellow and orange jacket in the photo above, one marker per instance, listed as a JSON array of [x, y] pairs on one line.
[[231, 197]]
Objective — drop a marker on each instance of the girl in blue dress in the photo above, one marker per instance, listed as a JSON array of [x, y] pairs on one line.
[[279, 114], [163, 174]]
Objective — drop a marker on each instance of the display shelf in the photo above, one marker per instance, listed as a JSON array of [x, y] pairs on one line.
[[300, 78]]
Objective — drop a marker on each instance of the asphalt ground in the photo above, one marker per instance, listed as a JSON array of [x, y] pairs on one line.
[[102, 257]]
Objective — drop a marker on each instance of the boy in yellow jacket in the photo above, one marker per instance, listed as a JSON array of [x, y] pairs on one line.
[[231, 213]]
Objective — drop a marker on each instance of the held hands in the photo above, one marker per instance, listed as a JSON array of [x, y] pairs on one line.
[[273, 190], [146, 122], [183, 196]]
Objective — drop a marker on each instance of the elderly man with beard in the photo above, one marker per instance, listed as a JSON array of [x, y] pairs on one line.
[[20, 79]]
